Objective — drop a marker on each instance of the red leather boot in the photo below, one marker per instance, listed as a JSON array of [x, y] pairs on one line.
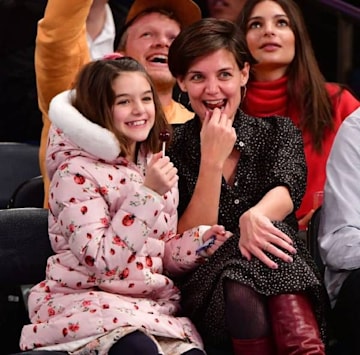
[[294, 325], [262, 346]]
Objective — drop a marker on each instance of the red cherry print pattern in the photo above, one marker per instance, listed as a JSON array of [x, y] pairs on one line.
[[131, 258], [91, 279], [86, 303], [104, 221], [128, 220], [149, 261], [110, 272], [79, 179], [103, 190], [83, 209], [89, 260], [124, 274], [74, 327], [118, 241]]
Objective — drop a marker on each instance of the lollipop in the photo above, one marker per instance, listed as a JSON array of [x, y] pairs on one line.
[[164, 136]]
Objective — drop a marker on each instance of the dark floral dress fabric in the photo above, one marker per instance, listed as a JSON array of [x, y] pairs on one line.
[[271, 154]]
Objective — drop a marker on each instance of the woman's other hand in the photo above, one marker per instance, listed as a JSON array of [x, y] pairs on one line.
[[258, 236]]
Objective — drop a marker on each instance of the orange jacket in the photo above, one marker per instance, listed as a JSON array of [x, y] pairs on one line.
[[61, 50]]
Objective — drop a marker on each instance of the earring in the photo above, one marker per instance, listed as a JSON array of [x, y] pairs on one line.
[[183, 98], [179, 96], [244, 92]]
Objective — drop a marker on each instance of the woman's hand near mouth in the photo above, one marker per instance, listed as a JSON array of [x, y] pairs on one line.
[[217, 137]]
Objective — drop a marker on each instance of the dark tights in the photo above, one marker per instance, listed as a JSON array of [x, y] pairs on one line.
[[132, 344], [246, 312]]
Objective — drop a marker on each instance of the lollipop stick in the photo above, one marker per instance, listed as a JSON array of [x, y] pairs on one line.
[[163, 148]]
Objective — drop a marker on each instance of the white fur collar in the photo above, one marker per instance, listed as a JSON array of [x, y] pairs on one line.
[[87, 135]]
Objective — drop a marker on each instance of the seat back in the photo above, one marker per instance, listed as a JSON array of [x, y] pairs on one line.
[[19, 162], [30, 193], [312, 239], [24, 249], [24, 245]]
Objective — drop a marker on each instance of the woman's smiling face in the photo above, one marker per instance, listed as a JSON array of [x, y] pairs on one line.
[[215, 81]]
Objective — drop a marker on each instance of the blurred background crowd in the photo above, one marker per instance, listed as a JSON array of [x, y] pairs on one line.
[[335, 36]]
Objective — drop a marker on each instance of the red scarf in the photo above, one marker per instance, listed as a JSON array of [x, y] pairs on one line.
[[270, 98]]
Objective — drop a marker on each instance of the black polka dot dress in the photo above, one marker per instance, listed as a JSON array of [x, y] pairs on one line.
[[271, 154]]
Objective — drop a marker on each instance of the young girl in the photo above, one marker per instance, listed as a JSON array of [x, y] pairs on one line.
[[112, 223]]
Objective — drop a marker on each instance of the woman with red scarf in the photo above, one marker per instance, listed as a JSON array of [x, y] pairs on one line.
[[287, 81]]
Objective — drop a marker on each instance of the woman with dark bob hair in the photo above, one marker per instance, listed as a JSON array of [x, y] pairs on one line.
[[260, 292]]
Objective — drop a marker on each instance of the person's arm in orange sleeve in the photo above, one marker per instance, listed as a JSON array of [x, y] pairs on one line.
[[61, 50]]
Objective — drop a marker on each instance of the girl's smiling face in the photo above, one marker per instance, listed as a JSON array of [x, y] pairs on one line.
[[215, 81], [134, 108]]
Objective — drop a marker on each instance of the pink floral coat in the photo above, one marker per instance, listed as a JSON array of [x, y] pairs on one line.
[[114, 240]]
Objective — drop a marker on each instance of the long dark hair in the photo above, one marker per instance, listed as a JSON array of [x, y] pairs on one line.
[[306, 84]]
